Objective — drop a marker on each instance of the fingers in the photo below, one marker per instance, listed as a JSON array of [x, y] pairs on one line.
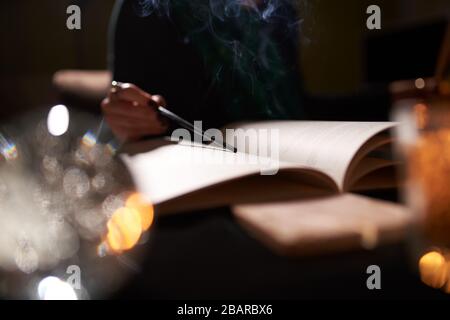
[[129, 92], [128, 115], [128, 110], [159, 100]]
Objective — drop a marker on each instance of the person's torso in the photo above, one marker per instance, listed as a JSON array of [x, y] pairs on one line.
[[210, 65]]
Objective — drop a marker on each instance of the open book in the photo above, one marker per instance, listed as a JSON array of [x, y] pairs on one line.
[[312, 159]]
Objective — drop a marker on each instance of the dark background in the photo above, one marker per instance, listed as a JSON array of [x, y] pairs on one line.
[[206, 254], [35, 43]]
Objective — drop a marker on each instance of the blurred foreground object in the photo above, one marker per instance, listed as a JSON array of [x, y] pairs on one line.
[[83, 88], [92, 84], [424, 143], [61, 193], [325, 225]]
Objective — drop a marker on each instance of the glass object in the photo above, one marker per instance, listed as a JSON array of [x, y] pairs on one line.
[[57, 241], [423, 142]]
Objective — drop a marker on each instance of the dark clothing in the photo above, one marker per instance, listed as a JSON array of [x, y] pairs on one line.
[[211, 65]]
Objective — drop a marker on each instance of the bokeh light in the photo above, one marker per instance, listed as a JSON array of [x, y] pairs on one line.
[[124, 230], [8, 149], [56, 199], [137, 202], [53, 288], [126, 225], [58, 120], [76, 183], [26, 258], [433, 269], [420, 83], [89, 139]]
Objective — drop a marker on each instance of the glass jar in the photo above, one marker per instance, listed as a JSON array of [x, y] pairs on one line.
[[423, 143]]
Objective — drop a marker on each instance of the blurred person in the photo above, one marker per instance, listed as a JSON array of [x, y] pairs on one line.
[[218, 61]]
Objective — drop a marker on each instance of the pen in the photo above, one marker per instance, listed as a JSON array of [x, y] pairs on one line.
[[189, 126], [182, 122]]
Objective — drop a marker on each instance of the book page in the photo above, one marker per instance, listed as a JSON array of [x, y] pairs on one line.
[[369, 165], [246, 190], [174, 170], [312, 153], [328, 147]]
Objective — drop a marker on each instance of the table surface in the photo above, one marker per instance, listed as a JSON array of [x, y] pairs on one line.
[[207, 255]]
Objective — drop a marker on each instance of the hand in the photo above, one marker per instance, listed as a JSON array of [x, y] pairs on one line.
[[132, 113]]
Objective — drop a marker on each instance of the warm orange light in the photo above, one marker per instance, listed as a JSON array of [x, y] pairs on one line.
[[124, 230], [137, 202], [447, 285], [429, 169], [433, 269], [127, 224], [444, 88], [421, 112]]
